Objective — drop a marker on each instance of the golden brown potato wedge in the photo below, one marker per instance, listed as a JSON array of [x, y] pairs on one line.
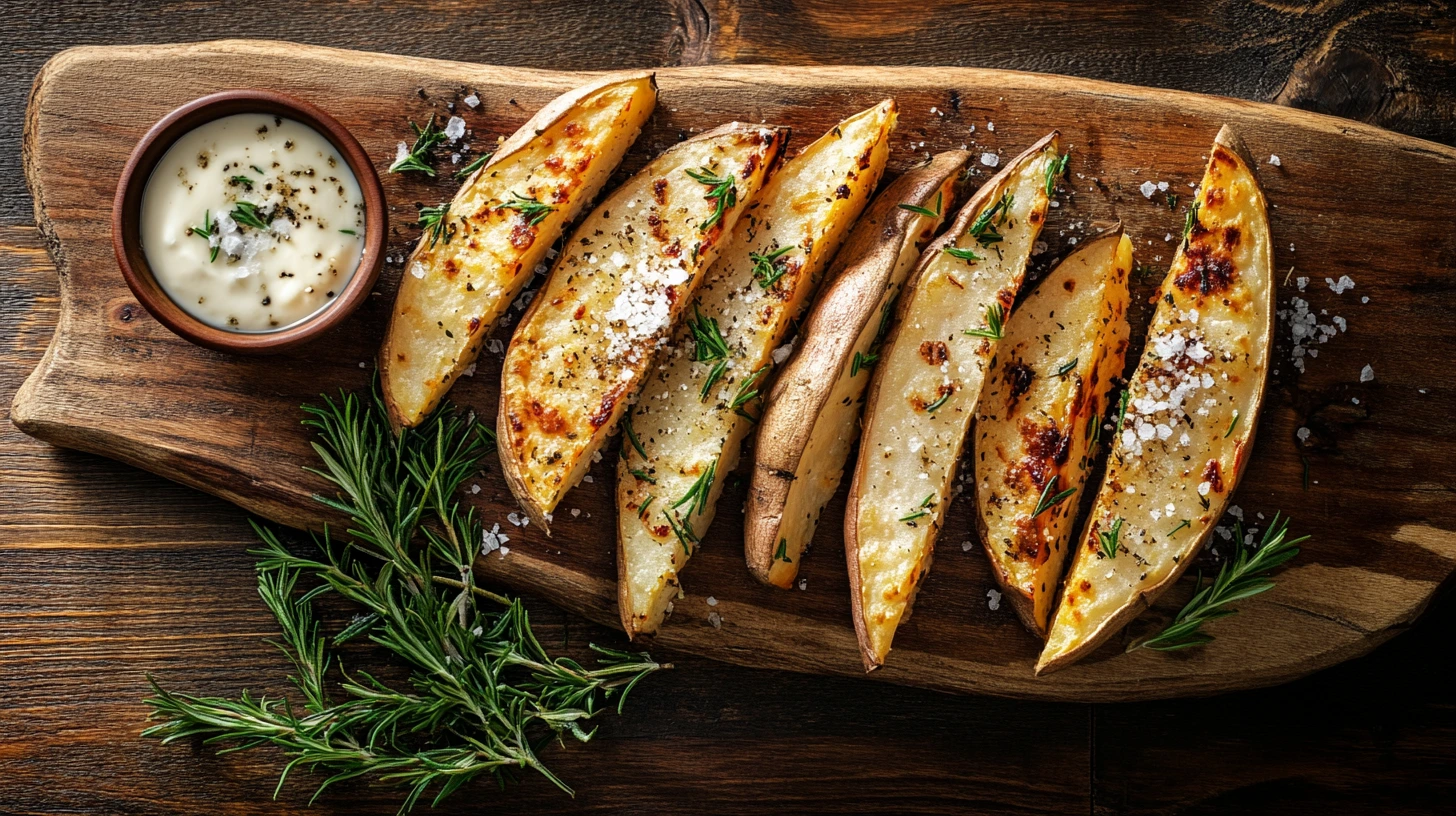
[[1192, 406], [1040, 418], [811, 418], [611, 302], [689, 425], [925, 388], [500, 224]]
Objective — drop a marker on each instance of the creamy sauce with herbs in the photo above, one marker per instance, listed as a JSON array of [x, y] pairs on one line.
[[252, 222]]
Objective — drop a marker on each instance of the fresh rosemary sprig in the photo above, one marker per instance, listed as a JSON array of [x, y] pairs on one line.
[[1066, 368], [425, 138], [928, 213], [747, 393], [1244, 577], [697, 496], [964, 254], [920, 511], [482, 691], [710, 346], [205, 232], [435, 222], [1108, 539], [1182, 525], [478, 163], [241, 180], [994, 317], [983, 230], [1049, 499], [532, 210], [862, 361], [720, 190], [1233, 423], [1054, 171], [765, 268], [632, 437], [1189, 222], [939, 401], [247, 215], [782, 553]]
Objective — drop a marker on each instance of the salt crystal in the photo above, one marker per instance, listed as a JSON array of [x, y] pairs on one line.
[[363, 365], [1203, 488], [575, 512], [1301, 282], [1364, 300], [454, 129], [991, 126], [1147, 189], [475, 490], [781, 353], [712, 601], [401, 151], [1302, 434], [990, 159], [1274, 160], [803, 584], [469, 371], [417, 269], [993, 600], [1367, 374], [588, 479], [715, 620], [967, 545], [473, 101]]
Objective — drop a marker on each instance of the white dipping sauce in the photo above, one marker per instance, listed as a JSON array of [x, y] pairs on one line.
[[288, 260]]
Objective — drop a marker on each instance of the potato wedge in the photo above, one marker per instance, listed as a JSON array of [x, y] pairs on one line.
[[1192, 407], [459, 281], [811, 417], [925, 388], [1040, 416], [611, 302], [688, 428]]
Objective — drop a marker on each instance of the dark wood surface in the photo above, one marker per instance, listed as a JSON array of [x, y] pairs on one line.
[[118, 383], [109, 573]]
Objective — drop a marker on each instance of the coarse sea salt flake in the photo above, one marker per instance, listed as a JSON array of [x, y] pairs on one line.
[[990, 159], [1274, 160], [1147, 189], [993, 600], [1367, 374], [454, 129], [472, 100]]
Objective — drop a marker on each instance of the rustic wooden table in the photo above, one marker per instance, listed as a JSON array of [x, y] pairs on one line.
[[107, 574]]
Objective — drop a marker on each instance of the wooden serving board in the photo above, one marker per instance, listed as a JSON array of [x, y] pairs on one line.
[[1347, 199]]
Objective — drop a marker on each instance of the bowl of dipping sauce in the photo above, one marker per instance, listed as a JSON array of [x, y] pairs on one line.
[[249, 222]]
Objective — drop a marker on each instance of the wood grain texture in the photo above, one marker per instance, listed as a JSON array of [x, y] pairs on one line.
[[1373, 736], [115, 382]]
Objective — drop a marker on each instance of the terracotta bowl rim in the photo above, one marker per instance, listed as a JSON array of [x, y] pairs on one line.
[[126, 216]]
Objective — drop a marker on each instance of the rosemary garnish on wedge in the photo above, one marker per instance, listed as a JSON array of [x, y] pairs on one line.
[[697, 496], [478, 163], [1245, 576], [246, 214], [920, 511], [1108, 539], [1054, 171], [964, 254], [721, 190], [710, 346], [425, 138], [994, 317], [482, 693], [435, 222], [532, 210], [928, 213], [1049, 498], [766, 268]]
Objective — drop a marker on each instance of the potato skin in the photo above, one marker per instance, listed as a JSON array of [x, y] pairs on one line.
[[1038, 420], [683, 432], [454, 292], [1213, 325], [911, 443], [804, 436], [612, 301]]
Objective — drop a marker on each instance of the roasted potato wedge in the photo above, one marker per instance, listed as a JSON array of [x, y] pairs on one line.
[[1192, 407], [460, 279], [611, 302], [1040, 418], [925, 388], [688, 427], [811, 417]]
